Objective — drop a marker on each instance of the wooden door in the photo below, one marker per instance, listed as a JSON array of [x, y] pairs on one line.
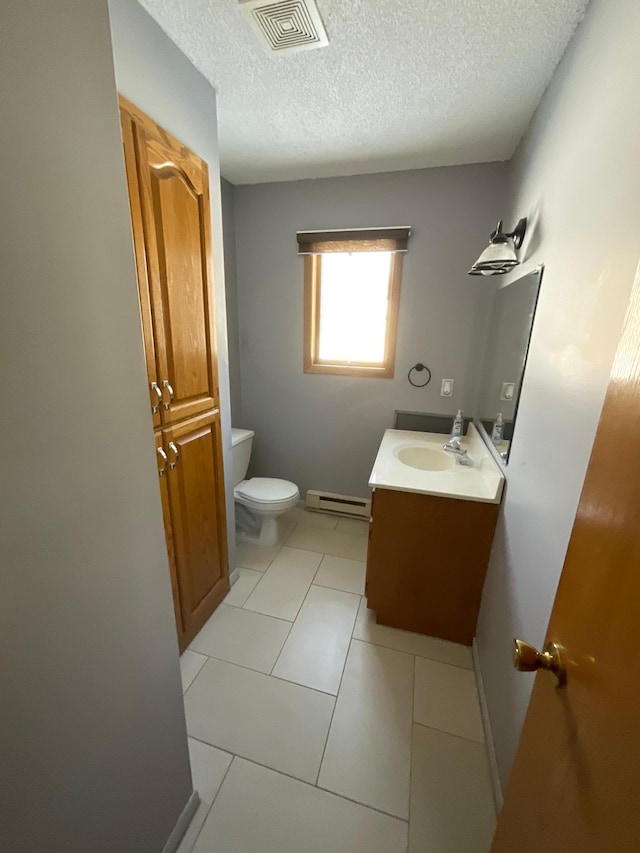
[[173, 188], [162, 459], [575, 786], [198, 522]]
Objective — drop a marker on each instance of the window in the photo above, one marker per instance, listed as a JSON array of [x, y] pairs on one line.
[[352, 291]]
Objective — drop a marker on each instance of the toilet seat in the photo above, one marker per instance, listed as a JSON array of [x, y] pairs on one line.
[[267, 489], [267, 493]]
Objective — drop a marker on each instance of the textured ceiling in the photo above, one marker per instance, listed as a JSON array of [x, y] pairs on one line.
[[404, 84]]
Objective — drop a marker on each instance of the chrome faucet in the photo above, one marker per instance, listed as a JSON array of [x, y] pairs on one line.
[[462, 456]]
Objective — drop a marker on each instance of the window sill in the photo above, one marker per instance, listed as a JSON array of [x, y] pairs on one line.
[[385, 372]]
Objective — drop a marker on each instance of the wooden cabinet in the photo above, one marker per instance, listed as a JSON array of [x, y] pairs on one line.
[[144, 290], [196, 509], [427, 561], [169, 198], [169, 193], [163, 469], [174, 188]]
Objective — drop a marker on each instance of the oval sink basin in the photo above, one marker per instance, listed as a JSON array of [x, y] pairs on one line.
[[425, 458]]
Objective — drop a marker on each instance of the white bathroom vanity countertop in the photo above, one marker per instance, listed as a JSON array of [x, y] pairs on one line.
[[483, 482]]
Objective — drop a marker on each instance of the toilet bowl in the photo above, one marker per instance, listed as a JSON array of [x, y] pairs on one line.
[[260, 501]]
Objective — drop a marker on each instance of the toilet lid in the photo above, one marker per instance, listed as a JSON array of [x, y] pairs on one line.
[[267, 489]]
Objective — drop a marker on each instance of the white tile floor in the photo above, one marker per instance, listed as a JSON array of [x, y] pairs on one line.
[[311, 727]]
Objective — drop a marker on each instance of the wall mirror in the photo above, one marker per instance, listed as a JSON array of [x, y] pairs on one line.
[[512, 314]]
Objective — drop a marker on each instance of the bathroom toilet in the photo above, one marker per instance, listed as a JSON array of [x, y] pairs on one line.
[[260, 501]]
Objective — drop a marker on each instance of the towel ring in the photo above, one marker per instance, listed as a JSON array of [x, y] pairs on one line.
[[419, 368]]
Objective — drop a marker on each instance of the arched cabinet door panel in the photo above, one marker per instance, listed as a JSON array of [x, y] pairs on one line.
[[176, 221]]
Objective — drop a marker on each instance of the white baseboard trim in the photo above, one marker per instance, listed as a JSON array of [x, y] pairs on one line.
[[182, 824], [496, 785], [233, 577]]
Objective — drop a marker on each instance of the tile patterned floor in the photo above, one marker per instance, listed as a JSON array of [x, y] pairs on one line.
[[311, 727]]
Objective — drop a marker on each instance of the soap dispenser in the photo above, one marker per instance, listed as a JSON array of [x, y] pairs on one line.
[[457, 427], [498, 428]]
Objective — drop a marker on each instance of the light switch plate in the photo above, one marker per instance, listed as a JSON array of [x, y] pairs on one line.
[[508, 391], [446, 389]]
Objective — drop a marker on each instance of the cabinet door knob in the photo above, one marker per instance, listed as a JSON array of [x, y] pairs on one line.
[[164, 458], [176, 453], [526, 658], [155, 387], [166, 385]]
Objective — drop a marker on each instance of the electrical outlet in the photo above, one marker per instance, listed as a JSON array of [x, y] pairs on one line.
[[446, 389], [508, 391]]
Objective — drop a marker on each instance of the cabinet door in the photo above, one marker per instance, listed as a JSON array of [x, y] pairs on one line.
[[174, 187], [163, 472], [198, 522], [144, 295], [427, 561]]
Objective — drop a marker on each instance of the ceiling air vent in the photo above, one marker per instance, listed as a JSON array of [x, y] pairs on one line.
[[289, 25]]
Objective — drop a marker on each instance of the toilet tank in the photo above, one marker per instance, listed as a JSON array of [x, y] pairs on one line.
[[241, 441]]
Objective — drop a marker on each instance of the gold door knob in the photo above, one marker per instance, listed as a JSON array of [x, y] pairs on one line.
[[526, 658]]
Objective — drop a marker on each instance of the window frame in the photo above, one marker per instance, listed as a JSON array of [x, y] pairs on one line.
[[312, 291]]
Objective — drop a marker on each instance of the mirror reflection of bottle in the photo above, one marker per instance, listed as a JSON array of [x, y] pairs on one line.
[[457, 427], [498, 428]]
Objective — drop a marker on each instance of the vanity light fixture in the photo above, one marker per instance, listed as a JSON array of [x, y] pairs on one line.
[[500, 255]]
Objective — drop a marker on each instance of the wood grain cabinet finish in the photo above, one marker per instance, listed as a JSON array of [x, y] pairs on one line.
[[170, 216], [144, 289], [169, 193], [162, 460], [196, 506], [427, 561]]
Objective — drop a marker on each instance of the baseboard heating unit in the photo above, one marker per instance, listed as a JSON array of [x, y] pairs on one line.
[[340, 504]]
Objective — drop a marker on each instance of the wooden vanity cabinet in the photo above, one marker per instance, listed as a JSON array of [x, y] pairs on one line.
[[427, 561]]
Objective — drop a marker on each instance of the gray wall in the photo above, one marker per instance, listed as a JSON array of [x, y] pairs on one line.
[[154, 75], [577, 175], [323, 432], [93, 747], [231, 285]]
